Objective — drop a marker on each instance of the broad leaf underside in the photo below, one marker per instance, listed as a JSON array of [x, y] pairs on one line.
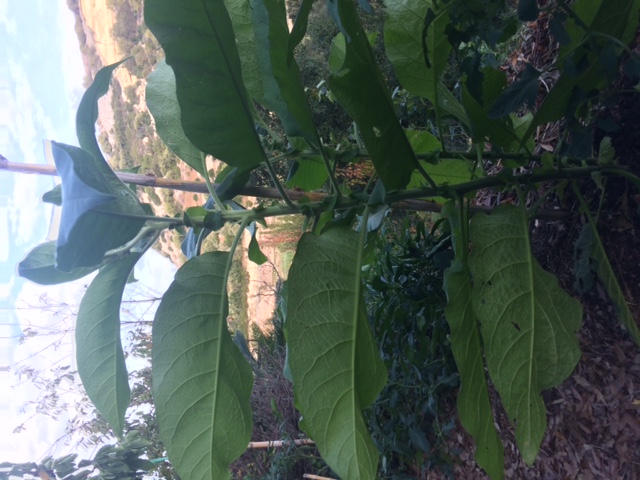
[[334, 361], [529, 323], [201, 381]]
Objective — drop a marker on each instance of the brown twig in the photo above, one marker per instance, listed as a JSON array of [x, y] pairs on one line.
[[262, 192]]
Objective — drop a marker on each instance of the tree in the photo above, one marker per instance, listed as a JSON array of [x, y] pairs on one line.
[[61, 391], [504, 310], [123, 461]]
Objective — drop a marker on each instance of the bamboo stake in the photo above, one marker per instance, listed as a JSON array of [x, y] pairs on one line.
[[315, 477], [280, 443], [150, 180]]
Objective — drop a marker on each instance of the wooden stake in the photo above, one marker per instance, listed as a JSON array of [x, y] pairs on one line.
[[280, 443], [150, 180]]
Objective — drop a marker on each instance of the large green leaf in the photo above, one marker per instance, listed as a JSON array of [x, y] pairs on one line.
[[87, 113], [617, 18], [53, 196], [450, 106], [406, 44], [240, 15], [253, 252], [484, 128], [336, 368], [201, 381], [284, 92], [609, 280], [99, 352], [474, 407], [529, 323], [92, 198], [163, 104], [360, 88], [447, 171], [523, 91], [39, 267], [199, 42], [310, 174]]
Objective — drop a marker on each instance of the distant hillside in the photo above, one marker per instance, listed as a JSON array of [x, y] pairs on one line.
[[109, 30], [106, 29]]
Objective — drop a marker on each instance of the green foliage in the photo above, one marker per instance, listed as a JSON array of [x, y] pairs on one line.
[[528, 322], [418, 61], [202, 407], [283, 90], [123, 461], [163, 105], [92, 196], [406, 308], [589, 241], [599, 33], [474, 408], [88, 113], [356, 81], [239, 95], [200, 36], [99, 349], [39, 267], [335, 366], [273, 411]]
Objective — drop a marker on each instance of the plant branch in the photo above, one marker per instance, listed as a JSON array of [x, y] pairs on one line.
[[426, 176], [279, 187], [166, 222], [265, 125], [210, 186], [405, 200], [327, 165], [148, 233], [281, 443]]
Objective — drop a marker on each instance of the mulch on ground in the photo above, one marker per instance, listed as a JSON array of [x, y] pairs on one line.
[[593, 429]]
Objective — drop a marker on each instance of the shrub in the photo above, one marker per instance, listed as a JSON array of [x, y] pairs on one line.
[[406, 307]]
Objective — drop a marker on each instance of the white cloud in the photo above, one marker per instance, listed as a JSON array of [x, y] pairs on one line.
[[74, 69], [8, 22], [5, 288], [25, 211], [26, 112], [4, 235], [38, 437], [155, 271]]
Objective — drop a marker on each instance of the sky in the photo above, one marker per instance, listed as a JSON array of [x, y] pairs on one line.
[[41, 76]]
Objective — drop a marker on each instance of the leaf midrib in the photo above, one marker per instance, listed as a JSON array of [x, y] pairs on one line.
[[529, 261], [356, 317]]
